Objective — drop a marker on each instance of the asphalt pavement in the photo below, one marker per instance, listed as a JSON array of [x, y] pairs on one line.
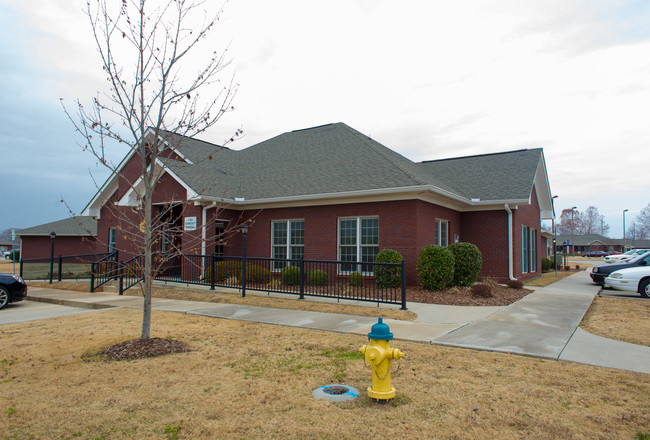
[[543, 324]]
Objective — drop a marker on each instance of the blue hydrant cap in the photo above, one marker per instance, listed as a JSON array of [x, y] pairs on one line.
[[380, 332]]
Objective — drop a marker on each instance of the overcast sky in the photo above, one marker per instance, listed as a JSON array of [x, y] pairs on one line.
[[428, 79]]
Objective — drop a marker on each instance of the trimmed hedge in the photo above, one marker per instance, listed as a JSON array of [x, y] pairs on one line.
[[435, 267], [224, 270], [290, 276], [255, 274], [386, 276], [317, 277], [356, 279], [467, 263]]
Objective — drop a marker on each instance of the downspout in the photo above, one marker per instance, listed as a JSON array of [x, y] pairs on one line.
[[204, 219], [510, 262]]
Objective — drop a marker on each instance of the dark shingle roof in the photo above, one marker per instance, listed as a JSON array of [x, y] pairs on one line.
[[335, 158], [77, 226]]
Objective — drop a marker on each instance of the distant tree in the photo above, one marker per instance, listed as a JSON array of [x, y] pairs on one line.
[[592, 222], [642, 224], [148, 51], [570, 224]]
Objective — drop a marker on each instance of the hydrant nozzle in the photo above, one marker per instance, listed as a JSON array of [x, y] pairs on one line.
[[378, 354]]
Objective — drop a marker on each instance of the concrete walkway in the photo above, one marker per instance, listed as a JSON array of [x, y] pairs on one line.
[[543, 324]]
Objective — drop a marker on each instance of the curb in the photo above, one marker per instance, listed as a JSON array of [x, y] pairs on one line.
[[70, 303]]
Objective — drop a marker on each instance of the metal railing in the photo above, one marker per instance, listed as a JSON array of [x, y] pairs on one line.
[[104, 270], [360, 281], [64, 267]]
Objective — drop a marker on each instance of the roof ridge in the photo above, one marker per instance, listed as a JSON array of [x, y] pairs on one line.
[[371, 143], [480, 155]]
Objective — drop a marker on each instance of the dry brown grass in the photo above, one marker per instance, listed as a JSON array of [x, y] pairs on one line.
[[624, 319], [7, 266], [248, 380], [251, 299], [549, 278]]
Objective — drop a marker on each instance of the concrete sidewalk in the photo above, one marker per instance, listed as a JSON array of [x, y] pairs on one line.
[[543, 324]]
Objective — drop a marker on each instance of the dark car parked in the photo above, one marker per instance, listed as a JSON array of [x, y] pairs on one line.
[[600, 272], [12, 289], [595, 254]]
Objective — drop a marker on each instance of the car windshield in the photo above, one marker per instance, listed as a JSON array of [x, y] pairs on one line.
[[640, 257]]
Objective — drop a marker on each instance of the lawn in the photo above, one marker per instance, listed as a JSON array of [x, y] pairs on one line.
[[249, 380]]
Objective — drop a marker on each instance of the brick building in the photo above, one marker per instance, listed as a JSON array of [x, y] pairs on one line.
[[332, 193]]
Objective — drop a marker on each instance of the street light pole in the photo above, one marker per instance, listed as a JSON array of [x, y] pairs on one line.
[[624, 243], [573, 231], [554, 236], [52, 237]]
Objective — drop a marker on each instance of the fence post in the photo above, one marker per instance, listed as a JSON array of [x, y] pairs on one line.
[[60, 266], [301, 265], [212, 270], [121, 281], [403, 286], [92, 277], [21, 267]]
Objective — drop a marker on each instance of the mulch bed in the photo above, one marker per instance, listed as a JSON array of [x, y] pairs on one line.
[[143, 348], [462, 296]]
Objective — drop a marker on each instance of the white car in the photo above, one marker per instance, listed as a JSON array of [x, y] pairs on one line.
[[632, 253], [632, 279]]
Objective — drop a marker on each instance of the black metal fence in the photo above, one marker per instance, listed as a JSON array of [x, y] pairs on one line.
[[367, 281], [59, 268]]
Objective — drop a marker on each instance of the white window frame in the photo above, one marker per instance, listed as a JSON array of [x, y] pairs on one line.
[[358, 244], [112, 239], [289, 245], [524, 249], [533, 250], [438, 232]]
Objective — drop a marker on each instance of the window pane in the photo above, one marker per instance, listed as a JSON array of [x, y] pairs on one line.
[[279, 252], [444, 234], [368, 254], [349, 253], [298, 232], [370, 231], [297, 252], [279, 233], [348, 232]]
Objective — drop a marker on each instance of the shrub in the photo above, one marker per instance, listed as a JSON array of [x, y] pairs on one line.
[[577, 267], [255, 274], [467, 263], [547, 264], [515, 284], [435, 267], [223, 270], [491, 282], [356, 279], [290, 275], [482, 290], [387, 276], [567, 267], [318, 277]]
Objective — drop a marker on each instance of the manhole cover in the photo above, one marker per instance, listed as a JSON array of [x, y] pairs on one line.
[[335, 392]]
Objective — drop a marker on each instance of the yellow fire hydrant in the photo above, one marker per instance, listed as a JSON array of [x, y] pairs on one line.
[[379, 355]]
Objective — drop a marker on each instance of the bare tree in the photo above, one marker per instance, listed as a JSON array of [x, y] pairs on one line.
[[570, 223], [151, 54], [642, 224], [592, 222]]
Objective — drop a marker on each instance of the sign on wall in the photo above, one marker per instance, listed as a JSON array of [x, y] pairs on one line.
[[190, 224]]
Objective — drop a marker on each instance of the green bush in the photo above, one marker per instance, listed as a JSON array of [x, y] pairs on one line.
[[356, 279], [223, 270], [255, 274], [547, 264], [467, 263], [318, 277], [290, 275], [14, 255], [435, 267], [386, 276]]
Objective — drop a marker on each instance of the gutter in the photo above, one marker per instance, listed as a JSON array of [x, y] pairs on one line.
[[510, 257]]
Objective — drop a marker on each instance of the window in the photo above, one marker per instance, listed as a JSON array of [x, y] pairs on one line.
[[442, 233], [287, 241], [533, 250], [524, 249], [219, 229], [358, 243], [112, 238], [166, 240]]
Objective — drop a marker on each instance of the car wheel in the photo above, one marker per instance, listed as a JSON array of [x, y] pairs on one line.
[[4, 297], [644, 288]]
